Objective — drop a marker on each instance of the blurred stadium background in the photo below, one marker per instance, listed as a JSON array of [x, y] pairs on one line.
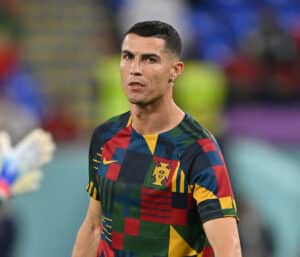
[[59, 71]]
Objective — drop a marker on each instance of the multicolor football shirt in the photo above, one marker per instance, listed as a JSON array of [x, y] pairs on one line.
[[156, 191]]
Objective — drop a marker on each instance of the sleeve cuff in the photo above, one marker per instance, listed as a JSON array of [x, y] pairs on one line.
[[92, 191], [212, 209]]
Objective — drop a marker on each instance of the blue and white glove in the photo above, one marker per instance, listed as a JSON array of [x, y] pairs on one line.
[[20, 167]]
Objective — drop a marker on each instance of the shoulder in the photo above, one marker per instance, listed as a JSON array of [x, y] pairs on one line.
[[194, 129], [109, 128], [195, 133], [198, 139], [202, 151]]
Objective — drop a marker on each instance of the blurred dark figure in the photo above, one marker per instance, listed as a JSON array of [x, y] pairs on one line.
[[266, 68], [8, 232], [256, 239], [195, 3]]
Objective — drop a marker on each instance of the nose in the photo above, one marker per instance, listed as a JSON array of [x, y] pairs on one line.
[[135, 68]]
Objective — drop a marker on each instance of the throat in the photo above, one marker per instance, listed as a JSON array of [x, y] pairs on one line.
[[150, 123]]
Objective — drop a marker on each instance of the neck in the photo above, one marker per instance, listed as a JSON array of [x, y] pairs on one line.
[[155, 118]]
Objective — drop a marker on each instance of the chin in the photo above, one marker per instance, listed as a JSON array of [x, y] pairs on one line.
[[137, 102], [142, 101]]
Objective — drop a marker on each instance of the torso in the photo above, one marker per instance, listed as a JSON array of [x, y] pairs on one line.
[[145, 189]]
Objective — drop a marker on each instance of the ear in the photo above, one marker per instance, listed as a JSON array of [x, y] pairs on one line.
[[177, 70]]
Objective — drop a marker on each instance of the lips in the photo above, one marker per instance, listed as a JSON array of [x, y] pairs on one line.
[[135, 84]]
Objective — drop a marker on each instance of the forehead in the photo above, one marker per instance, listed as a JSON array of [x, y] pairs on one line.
[[139, 45]]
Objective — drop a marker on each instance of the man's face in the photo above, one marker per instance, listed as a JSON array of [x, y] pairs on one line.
[[146, 68]]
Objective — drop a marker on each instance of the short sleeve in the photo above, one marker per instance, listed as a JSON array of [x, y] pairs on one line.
[[94, 157], [210, 182]]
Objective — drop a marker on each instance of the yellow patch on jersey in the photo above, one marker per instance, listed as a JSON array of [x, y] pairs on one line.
[[178, 247], [226, 202], [201, 194], [182, 179], [151, 141], [174, 179]]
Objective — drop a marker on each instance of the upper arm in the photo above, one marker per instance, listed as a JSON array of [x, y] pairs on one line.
[[87, 239], [93, 215], [223, 236], [215, 200]]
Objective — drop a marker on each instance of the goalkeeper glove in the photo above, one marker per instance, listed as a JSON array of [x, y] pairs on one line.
[[24, 160]]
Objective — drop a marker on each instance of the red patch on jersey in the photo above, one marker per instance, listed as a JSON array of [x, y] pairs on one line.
[[113, 171], [207, 145], [207, 252], [106, 249], [132, 226], [120, 140], [224, 186], [178, 216], [117, 240], [156, 205]]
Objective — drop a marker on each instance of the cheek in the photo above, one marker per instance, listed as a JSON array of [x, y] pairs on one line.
[[161, 78], [123, 72], [164, 73]]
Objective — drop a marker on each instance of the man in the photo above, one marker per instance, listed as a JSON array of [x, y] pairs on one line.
[[157, 180], [20, 172]]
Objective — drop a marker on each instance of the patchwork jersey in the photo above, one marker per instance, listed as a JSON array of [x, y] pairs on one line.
[[156, 191]]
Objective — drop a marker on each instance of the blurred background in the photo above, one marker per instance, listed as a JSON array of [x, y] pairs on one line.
[[59, 70]]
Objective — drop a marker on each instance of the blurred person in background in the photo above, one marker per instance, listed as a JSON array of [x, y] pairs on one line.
[[21, 112], [20, 172], [20, 99], [265, 68], [157, 179]]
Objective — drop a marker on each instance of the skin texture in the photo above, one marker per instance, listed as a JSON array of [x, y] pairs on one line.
[[87, 240], [223, 236], [148, 71]]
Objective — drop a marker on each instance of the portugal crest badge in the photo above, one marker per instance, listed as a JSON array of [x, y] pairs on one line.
[[161, 173]]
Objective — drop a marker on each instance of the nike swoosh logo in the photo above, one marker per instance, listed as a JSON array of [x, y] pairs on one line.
[[106, 162]]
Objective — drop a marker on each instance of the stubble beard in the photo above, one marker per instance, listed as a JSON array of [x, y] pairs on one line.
[[144, 103]]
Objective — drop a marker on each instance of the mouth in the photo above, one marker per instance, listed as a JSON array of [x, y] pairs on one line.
[[135, 85]]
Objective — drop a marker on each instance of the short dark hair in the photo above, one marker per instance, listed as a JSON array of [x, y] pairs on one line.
[[161, 30]]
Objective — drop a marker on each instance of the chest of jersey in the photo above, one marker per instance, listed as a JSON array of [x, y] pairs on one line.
[[140, 178], [146, 198]]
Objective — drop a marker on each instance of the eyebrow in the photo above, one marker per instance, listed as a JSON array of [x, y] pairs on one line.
[[126, 52], [144, 55]]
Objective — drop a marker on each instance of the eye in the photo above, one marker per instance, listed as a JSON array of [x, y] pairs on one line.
[[151, 59], [127, 56]]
